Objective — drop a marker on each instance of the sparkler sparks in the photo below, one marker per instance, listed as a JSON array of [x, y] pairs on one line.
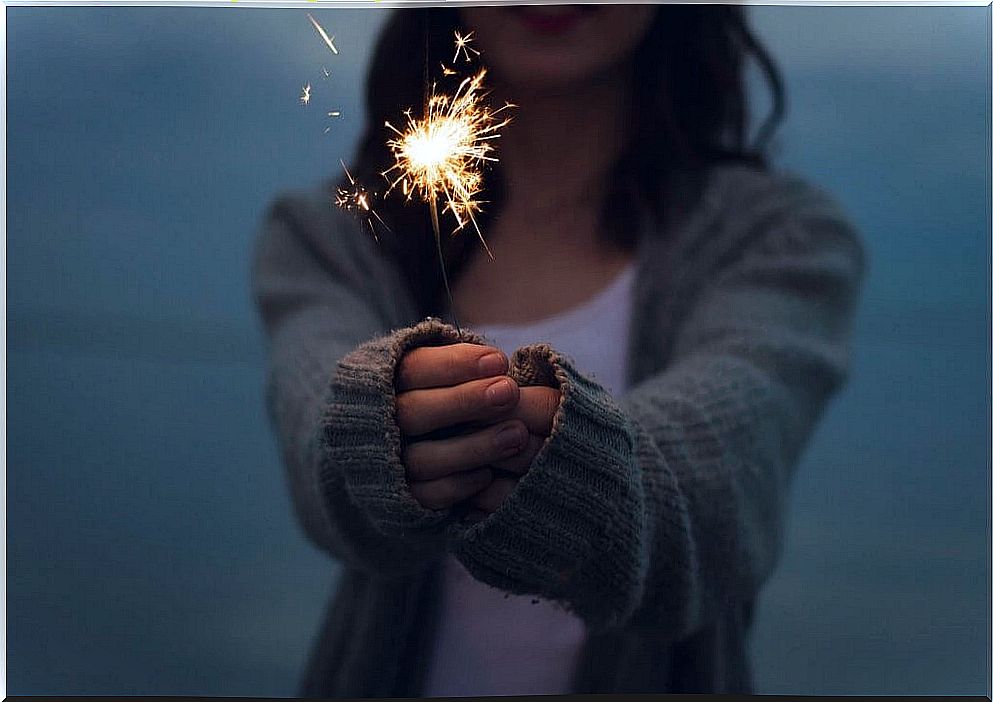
[[440, 157], [305, 96], [324, 35], [357, 199], [462, 46], [331, 115]]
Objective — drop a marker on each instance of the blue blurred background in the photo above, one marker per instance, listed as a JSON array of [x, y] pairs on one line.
[[151, 543]]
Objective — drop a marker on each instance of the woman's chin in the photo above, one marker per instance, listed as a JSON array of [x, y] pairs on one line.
[[553, 74]]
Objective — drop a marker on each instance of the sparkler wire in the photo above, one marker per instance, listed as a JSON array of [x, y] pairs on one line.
[[433, 200]]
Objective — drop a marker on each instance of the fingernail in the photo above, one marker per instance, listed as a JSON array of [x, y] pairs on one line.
[[500, 393], [493, 364], [511, 437]]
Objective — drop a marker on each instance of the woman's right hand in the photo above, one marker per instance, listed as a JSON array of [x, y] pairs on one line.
[[440, 387]]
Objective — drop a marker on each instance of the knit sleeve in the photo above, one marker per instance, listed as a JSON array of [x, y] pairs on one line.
[[337, 322], [667, 504]]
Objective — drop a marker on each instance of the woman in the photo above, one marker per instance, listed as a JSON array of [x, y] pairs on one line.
[[585, 491]]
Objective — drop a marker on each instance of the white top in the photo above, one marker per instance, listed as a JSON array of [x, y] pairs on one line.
[[491, 643]]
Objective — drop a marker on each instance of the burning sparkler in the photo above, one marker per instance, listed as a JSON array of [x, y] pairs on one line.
[[438, 157], [441, 155]]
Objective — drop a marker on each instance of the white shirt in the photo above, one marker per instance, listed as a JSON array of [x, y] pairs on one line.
[[491, 643]]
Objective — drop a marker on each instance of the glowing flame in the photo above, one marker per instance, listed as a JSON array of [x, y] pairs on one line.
[[440, 157]]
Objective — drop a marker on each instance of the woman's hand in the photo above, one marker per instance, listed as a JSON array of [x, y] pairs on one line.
[[536, 408], [440, 387]]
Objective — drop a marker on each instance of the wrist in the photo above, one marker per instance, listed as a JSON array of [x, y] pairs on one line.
[[573, 530], [361, 438]]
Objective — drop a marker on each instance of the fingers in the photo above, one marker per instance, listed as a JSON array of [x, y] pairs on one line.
[[536, 408], [520, 462], [428, 460], [492, 496], [442, 493], [443, 366], [426, 410]]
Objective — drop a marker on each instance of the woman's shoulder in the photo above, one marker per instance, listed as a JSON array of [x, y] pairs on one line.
[[741, 191], [738, 203], [306, 237]]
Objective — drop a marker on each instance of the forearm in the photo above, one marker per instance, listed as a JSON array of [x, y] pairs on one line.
[[660, 508], [669, 504], [301, 392], [717, 442], [323, 291]]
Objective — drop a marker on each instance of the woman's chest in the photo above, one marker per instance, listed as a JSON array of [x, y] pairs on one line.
[[525, 281]]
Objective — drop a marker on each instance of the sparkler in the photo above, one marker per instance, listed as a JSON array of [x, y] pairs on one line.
[[440, 157]]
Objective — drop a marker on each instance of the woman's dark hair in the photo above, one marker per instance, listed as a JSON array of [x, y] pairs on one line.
[[690, 113]]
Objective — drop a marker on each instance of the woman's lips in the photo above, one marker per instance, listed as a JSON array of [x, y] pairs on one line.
[[552, 19]]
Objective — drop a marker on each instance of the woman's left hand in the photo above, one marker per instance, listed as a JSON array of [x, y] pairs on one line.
[[536, 408]]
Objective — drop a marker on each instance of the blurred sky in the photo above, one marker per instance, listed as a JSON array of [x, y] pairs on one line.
[[152, 547]]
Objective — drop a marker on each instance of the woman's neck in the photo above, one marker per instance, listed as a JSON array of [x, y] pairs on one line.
[[556, 158], [558, 152]]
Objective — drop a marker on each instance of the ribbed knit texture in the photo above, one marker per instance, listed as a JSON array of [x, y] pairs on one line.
[[574, 528], [655, 516], [362, 438]]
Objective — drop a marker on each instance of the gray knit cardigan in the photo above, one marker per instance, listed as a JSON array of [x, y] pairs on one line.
[[655, 516]]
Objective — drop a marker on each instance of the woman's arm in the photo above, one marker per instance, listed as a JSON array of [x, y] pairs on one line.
[[670, 502], [336, 317]]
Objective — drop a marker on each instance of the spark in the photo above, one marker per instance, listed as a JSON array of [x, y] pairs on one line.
[[334, 113], [327, 73], [324, 35], [357, 199], [445, 70], [305, 96], [462, 47], [440, 157]]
